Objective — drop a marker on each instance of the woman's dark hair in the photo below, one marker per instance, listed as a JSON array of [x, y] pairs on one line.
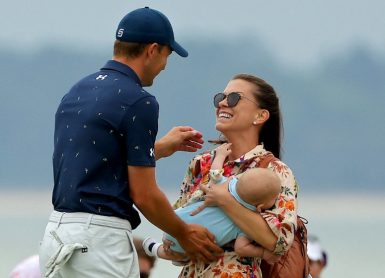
[[272, 130]]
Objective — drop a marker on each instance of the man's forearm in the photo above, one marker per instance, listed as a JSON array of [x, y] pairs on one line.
[[152, 202], [157, 209], [158, 149]]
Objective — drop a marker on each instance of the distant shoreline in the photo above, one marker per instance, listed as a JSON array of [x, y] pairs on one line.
[[324, 205]]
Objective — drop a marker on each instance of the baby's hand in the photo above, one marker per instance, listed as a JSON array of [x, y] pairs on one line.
[[223, 150]]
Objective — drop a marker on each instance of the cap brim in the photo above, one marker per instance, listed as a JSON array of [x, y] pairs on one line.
[[179, 49]]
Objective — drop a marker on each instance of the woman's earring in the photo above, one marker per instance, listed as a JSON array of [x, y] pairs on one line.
[[255, 123]]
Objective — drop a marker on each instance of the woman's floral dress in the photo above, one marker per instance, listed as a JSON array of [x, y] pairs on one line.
[[281, 218]]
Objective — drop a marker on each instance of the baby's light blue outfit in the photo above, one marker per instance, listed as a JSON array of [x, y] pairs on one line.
[[212, 218]]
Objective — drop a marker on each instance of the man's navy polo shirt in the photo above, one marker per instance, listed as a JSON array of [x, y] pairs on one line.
[[103, 124]]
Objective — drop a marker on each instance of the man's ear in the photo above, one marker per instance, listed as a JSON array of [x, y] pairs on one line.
[[151, 49]]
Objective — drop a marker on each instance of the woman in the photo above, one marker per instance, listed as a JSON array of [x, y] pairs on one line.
[[249, 117]]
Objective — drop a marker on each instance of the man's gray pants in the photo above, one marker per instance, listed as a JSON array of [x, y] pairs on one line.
[[87, 245]]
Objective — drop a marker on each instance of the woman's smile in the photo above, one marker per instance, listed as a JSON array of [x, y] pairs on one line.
[[224, 115]]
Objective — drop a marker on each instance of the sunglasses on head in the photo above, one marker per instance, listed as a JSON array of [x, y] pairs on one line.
[[232, 99]]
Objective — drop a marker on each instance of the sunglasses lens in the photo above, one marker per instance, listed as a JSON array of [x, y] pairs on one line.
[[218, 98], [232, 99]]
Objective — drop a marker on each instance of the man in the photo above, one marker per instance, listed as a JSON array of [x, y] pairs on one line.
[[104, 160], [146, 262], [317, 257], [27, 268]]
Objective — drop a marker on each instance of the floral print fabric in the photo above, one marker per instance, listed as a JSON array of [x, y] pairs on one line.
[[281, 218]]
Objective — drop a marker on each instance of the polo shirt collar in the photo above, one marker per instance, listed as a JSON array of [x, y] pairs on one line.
[[259, 150], [115, 65]]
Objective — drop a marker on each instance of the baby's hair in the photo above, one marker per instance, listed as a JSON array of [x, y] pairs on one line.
[[259, 186]]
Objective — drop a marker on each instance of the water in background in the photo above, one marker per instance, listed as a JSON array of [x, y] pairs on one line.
[[349, 226]]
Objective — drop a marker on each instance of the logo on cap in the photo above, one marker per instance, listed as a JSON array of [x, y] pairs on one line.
[[120, 33]]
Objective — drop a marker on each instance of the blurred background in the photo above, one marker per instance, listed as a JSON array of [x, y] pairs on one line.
[[326, 60]]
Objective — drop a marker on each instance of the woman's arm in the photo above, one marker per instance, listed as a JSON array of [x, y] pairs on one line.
[[251, 223], [244, 247], [272, 229], [282, 219]]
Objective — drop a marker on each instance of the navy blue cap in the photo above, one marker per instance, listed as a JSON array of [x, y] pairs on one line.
[[147, 25]]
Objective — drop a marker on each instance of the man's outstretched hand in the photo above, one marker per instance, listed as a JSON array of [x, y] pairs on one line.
[[199, 244], [180, 138]]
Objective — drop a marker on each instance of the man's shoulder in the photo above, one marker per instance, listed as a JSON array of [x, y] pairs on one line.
[[113, 85], [107, 77]]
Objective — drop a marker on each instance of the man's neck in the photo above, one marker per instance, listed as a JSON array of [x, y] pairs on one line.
[[135, 64]]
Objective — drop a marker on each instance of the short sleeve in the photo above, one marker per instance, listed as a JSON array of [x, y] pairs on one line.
[[140, 128], [282, 218]]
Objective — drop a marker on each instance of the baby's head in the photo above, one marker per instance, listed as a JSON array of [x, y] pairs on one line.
[[259, 186]]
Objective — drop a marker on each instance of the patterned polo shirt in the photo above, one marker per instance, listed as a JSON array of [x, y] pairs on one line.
[[105, 123]]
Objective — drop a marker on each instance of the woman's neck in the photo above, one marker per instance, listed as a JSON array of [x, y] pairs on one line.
[[241, 145]]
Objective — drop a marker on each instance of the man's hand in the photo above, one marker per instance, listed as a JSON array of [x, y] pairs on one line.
[[198, 244], [180, 138]]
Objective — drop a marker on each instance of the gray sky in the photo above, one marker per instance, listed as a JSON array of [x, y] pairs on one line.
[[297, 32]]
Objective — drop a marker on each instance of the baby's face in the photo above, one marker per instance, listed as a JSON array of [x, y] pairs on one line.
[[269, 203]]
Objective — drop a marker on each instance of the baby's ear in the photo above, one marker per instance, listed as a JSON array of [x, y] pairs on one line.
[[259, 207]]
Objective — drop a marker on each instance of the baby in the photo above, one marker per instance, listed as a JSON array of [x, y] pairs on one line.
[[256, 189]]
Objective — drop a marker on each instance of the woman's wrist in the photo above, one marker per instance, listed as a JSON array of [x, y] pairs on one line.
[[262, 253]]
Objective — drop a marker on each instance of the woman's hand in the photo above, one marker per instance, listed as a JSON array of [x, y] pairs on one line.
[[215, 195], [270, 257]]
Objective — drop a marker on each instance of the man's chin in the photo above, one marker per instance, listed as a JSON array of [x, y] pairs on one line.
[[148, 83]]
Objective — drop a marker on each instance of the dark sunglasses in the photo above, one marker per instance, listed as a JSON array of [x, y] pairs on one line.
[[232, 99]]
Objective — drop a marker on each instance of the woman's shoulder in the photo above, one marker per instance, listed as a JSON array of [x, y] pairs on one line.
[[268, 160], [277, 161], [204, 156]]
